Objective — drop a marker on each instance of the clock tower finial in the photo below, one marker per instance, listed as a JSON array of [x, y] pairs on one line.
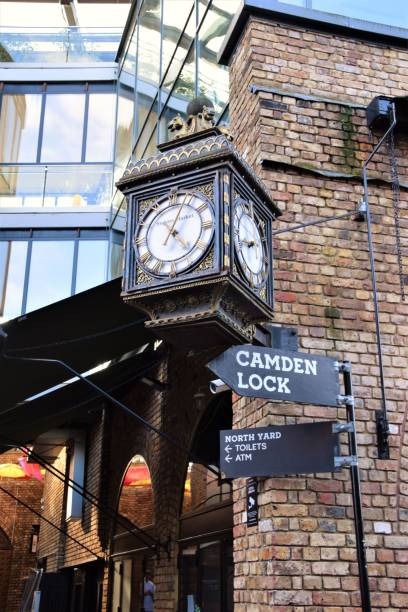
[[200, 117]]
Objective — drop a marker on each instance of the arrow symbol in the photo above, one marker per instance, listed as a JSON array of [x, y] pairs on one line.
[[228, 449], [251, 502], [228, 458]]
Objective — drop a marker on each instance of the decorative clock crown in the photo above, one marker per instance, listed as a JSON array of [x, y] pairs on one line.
[[198, 255]]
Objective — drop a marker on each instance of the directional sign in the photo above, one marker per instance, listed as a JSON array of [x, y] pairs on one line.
[[252, 502], [275, 451], [291, 376]]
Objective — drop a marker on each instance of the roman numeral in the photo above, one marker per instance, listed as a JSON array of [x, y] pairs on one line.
[[140, 241], [157, 266], [145, 257], [202, 245], [173, 198], [202, 207], [173, 269]]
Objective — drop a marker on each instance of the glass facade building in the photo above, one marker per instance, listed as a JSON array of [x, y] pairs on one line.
[[69, 128]]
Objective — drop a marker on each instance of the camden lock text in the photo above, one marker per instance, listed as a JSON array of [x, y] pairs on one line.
[[276, 363]]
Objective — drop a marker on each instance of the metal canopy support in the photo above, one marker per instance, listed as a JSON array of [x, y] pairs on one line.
[[348, 402], [381, 416]]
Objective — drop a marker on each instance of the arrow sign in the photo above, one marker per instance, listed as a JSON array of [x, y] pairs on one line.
[[273, 374], [252, 502], [280, 450]]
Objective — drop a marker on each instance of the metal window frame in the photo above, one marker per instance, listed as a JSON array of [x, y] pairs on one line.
[[46, 89]]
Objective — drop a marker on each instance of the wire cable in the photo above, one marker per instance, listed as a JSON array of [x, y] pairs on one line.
[[112, 399], [90, 497], [79, 338], [51, 523]]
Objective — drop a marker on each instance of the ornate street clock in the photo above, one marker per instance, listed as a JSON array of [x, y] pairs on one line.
[[198, 250]]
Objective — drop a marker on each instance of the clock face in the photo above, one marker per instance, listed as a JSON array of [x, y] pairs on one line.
[[174, 233], [250, 244]]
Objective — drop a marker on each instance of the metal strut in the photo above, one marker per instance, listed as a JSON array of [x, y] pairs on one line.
[[382, 441], [351, 460]]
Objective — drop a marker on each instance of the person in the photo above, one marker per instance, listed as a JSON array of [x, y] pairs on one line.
[[148, 594]]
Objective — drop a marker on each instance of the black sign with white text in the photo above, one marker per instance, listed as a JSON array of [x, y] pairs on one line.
[[276, 451], [255, 371], [252, 502]]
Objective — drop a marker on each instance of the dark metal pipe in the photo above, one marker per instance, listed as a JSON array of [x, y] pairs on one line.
[[356, 492], [383, 448]]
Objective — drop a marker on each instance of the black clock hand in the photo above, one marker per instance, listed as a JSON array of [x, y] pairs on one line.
[[176, 219]]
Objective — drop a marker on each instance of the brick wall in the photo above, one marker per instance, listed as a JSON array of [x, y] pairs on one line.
[[112, 441], [16, 559], [302, 555], [136, 504]]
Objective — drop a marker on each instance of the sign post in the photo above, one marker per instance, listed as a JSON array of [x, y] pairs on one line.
[[296, 377]]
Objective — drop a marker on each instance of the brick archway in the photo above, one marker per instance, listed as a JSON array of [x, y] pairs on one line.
[[5, 558]]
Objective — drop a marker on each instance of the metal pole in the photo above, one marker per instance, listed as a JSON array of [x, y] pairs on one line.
[[356, 492], [382, 423]]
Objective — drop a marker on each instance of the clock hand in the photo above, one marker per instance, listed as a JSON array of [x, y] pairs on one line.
[[176, 235], [175, 220], [250, 243]]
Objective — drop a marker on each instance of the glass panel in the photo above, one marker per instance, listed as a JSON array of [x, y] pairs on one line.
[[19, 127], [393, 13], [147, 143], [183, 93], [101, 120], [143, 149], [295, 2], [117, 582], [63, 128], [67, 186], [78, 186], [210, 577], [144, 106], [21, 186], [14, 286], [148, 59], [92, 264], [116, 260], [50, 276], [213, 79], [4, 255], [175, 15], [229, 577], [51, 45], [181, 51], [124, 130], [188, 578], [127, 585], [92, 44]]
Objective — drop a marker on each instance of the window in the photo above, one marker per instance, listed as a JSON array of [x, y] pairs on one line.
[[101, 119], [13, 257], [63, 123], [41, 267], [35, 120], [50, 277], [19, 127]]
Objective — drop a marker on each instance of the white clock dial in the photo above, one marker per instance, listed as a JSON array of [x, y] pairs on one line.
[[249, 244], [174, 233]]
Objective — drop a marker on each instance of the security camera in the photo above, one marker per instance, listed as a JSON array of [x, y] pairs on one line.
[[218, 386]]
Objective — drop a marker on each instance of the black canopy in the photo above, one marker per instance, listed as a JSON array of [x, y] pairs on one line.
[[83, 330]]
